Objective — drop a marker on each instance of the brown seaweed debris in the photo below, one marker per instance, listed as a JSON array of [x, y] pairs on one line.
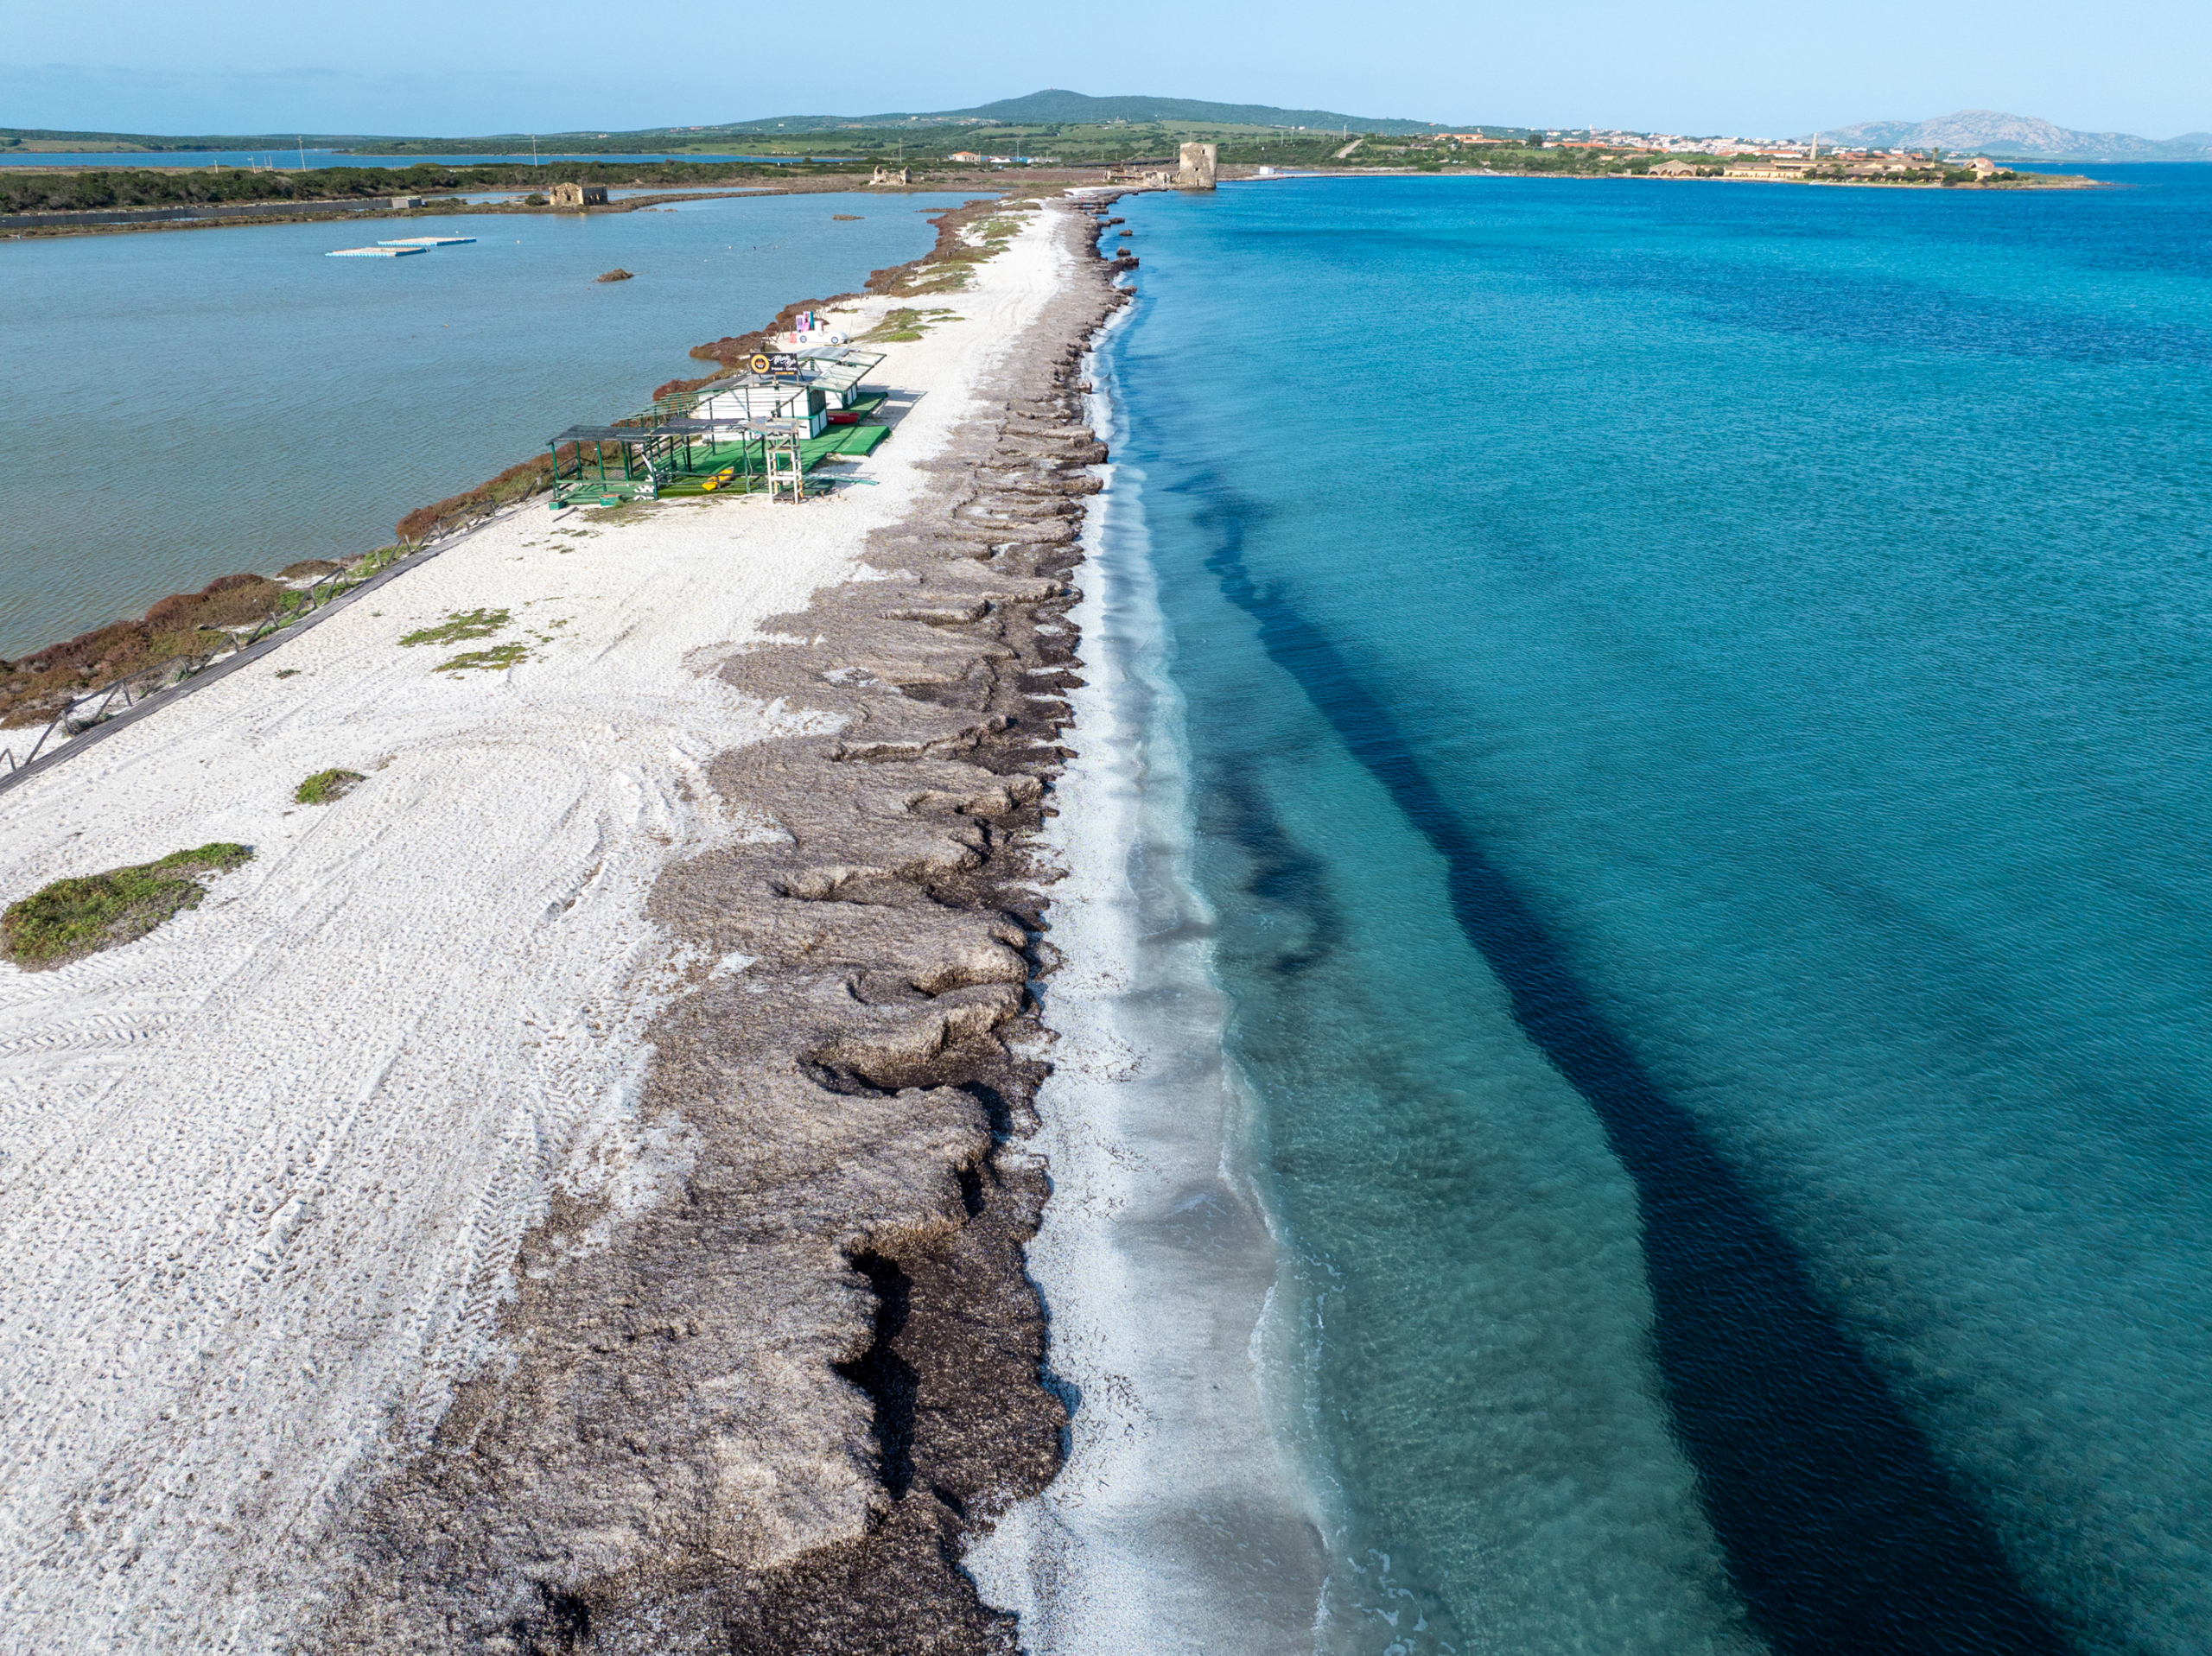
[[765, 1414], [618, 274]]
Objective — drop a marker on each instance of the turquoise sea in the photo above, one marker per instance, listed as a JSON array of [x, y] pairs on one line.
[[183, 404], [1698, 700]]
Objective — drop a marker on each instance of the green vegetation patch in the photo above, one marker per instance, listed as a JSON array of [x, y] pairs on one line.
[[73, 918], [902, 325], [488, 661], [325, 786], [459, 627], [941, 278]]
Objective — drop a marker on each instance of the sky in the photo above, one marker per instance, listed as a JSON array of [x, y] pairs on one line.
[[457, 67]]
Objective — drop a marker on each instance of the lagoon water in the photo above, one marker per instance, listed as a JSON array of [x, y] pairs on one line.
[[1698, 702], [291, 159], [186, 403]]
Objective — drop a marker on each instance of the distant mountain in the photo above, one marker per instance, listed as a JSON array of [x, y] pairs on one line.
[[1053, 107], [2020, 137]]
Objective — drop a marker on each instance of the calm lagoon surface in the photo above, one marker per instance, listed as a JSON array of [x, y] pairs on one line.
[[1700, 703], [183, 404], [290, 159]]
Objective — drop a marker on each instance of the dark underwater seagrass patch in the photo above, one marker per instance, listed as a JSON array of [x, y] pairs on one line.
[[73, 918]]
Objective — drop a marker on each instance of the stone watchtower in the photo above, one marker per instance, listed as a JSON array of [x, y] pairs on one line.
[[1194, 169]]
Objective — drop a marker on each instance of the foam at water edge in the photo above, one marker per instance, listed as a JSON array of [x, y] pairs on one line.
[[1179, 1521]]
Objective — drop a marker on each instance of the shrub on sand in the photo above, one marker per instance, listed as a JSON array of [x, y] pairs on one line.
[[73, 918], [324, 786], [458, 625]]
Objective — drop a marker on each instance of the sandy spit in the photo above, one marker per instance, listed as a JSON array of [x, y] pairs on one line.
[[449, 1236]]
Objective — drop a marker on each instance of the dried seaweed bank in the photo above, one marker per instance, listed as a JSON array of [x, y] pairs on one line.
[[764, 1415]]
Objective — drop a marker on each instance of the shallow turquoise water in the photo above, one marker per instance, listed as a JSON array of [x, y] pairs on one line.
[[183, 404], [1700, 701]]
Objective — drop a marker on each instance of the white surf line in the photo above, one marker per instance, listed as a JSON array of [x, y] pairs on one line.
[[264, 1172], [1178, 1522]]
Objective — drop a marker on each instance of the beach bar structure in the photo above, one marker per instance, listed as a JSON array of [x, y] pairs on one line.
[[838, 369], [762, 400], [748, 433], [674, 456]]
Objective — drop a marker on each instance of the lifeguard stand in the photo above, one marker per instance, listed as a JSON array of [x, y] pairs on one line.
[[786, 468]]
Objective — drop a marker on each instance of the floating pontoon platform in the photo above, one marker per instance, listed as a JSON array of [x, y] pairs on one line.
[[379, 252], [414, 243]]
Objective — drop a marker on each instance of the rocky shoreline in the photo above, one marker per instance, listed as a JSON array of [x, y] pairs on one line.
[[765, 1415]]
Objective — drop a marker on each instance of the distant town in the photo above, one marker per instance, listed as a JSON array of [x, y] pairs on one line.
[[1669, 155]]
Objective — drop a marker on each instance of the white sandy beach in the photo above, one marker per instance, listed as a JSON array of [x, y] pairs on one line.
[[264, 1173]]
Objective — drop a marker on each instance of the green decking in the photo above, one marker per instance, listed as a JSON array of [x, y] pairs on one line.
[[708, 463], [666, 452]]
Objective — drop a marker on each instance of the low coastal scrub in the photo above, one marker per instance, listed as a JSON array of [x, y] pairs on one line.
[[516, 483], [459, 627], [967, 237], [463, 626], [325, 787], [496, 659], [901, 326], [73, 918], [36, 688]]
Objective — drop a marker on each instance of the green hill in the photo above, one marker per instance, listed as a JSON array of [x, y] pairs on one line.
[[1057, 108], [33, 139], [1050, 109]]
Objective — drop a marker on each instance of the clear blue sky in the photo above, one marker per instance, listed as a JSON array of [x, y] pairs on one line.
[[487, 66]]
